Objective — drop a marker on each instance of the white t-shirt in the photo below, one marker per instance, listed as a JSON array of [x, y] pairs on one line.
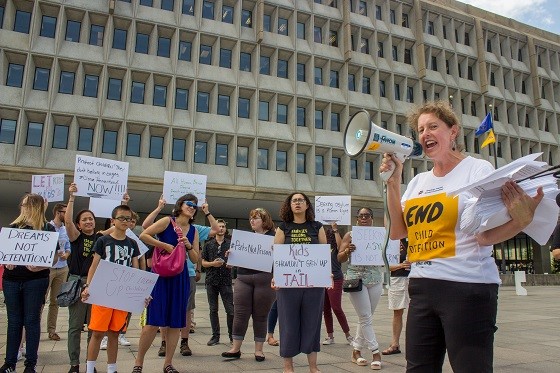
[[436, 246]]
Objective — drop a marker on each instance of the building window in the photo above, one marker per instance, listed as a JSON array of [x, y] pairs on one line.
[[492, 79], [352, 82], [208, 9], [333, 38], [247, 18], [368, 168], [382, 88], [185, 50], [266, 22], [265, 65], [41, 80], [395, 53], [178, 151], [317, 34], [181, 98], [434, 63], [221, 155], [334, 79], [48, 27], [393, 16], [378, 14], [114, 90], [156, 147], [245, 61], [109, 142], [470, 73], [60, 136], [262, 159], [335, 122], [73, 31], [366, 85], [397, 92], [142, 43], [300, 116], [66, 83], [119, 39], [319, 165], [223, 104], [137, 92], [1, 16], [205, 54], [160, 95], [431, 27], [263, 110], [335, 167], [282, 71], [467, 38], [243, 107], [225, 58], [85, 139], [133, 144], [380, 52], [282, 113], [473, 108], [7, 131], [200, 151], [301, 163], [167, 4], [405, 20], [14, 77], [410, 94], [408, 56], [203, 102], [364, 45], [301, 72], [319, 119], [353, 168], [22, 21], [489, 45], [300, 29], [227, 14], [281, 160], [318, 76], [282, 26], [242, 156], [188, 7], [444, 29], [164, 47], [34, 134], [362, 8], [149, 3], [96, 35], [91, 83]]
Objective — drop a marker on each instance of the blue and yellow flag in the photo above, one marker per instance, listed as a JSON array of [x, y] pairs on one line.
[[490, 139], [485, 126]]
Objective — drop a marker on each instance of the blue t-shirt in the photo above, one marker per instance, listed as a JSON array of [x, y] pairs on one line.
[[203, 233]]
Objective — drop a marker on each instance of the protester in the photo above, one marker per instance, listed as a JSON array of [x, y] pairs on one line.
[[25, 288], [252, 296], [453, 279], [299, 309], [169, 305], [364, 301]]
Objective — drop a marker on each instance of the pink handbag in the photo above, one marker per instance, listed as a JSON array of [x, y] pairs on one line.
[[170, 264]]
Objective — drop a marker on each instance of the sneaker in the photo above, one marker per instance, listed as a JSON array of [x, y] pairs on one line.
[[328, 341], [7, 368], [350, 339], [103, 345], [74, 369], [185, 349], [29, 369], [123, 341], [161, 351]]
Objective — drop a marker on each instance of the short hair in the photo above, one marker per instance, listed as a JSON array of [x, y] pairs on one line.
[[120, 208], [267, 222], [179, 205], [364, 208], [286, 213], [221, 221], [135, 216], [58, 207]]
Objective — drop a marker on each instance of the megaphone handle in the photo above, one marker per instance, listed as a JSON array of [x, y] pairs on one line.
[[385, 175]]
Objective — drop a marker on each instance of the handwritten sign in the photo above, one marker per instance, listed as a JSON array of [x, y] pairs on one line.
[[302, 265], [27, 247], [333, 208], [251, 250], [369, 243], [50, 187], [120, 287], [102, 208], [141, 245], [100, 178], [177, 184]]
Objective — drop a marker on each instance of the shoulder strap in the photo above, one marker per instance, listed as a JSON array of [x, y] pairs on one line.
[[177, 229]]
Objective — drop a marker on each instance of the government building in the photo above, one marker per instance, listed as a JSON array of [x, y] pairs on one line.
[[256, 94]]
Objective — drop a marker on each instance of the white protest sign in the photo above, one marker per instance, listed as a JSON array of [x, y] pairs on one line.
[[120, 287], [251, 250], [100, 178], [50, 187], [177, 184], [369, 242], [143, 248], [27, 247], [302, 265], [333, 208], [102, 208]]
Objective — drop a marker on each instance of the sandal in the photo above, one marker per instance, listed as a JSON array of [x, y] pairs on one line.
[[273, 342], [358, 359], [137, 369], [376, 363], [392, 350], [170, 369]]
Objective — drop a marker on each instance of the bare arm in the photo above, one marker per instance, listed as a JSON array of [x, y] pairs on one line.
[[322, 236], [71, 228], [193, 253], [345, 248], [279, 237], [91, 272], [214, 228], [153, 215], [147, 235]]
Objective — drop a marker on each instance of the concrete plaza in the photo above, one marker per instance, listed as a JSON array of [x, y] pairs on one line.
[[527, 340]]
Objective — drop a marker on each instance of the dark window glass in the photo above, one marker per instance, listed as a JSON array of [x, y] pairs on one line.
[[492, 79], [319, 165], [203, 102], [397, 92], [164, 47], [178, 151], [262, 159], [1, 16], [96, 35], [147, 2], [247, 18], [282, 71], [227, 14], [114, 89], [300, 114], [362, 8], [48, 26], [200, 150], [380, 52], [335, 122], [301, 166], [91, 82], [242, 156], [263, 110], [223, 105], [266, 22], [22, 21], [265, 65], [185, 50], [431, 27], [41, 80], [382, 88], [317, 34], [378, 12], [181, 98], [34, 134], [205, 54], [167, 4], [208, 9], [160, 95], [333, 38], [364, 45], [405, 20], [225, 58], [318, 75], [156, 147], [470, 73], [109, 142], [282, 26], [368, 168], [142, 43], [467, 39], [351, 82], [7, 131], [85, 139], [395, 53], [319, 119], [66, 83], [188, 7], [444, 29], [15, 75], [434, 63], [221, 154], [335, 167], [137, 92], [334, 79], [119, 39], [300, 30], [281, 160], [243, 107], [282, 113], [133, 144], [354, 168], [366, 85], [60, 136], [393, 16], [410, 94], [301, 72], [73, 31], [408, 56], [245, 61]]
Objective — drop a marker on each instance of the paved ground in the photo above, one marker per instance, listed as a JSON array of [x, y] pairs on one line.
[[527, 341]]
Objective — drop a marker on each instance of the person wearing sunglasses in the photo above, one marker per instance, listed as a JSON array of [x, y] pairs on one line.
[[364, 301]]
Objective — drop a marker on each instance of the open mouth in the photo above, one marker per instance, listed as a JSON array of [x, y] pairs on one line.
[[430, 144]]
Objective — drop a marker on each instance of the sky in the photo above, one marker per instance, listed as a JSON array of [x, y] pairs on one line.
[[539, 13]]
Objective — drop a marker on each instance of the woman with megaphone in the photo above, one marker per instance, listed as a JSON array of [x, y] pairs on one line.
[[453, 279]]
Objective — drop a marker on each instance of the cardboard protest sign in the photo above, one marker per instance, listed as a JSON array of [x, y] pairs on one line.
[[120, 287], [369, 242], [177, 184], [251, 250], [333, 208], [102, 208], [50, 187], [27, 247], [100, 178], [302, 265]]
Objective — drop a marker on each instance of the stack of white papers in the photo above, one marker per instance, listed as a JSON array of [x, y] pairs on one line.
[[486, 210]]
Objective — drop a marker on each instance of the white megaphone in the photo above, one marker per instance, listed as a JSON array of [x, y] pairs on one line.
[[362, 135]]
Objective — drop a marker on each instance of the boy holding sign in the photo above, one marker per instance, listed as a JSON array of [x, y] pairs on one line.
[[117, 248]]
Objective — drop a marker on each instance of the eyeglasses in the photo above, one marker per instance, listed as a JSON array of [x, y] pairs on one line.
[[255, 218], [364, 216], [297, 201], [124, 219], [190, 204]]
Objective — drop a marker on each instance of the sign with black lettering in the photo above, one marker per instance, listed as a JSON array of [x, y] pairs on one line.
[[250, 250], [50, 187], [302, 266], [177, 184], [100, 178], [333, 208], [369, 242], [27, 247]]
